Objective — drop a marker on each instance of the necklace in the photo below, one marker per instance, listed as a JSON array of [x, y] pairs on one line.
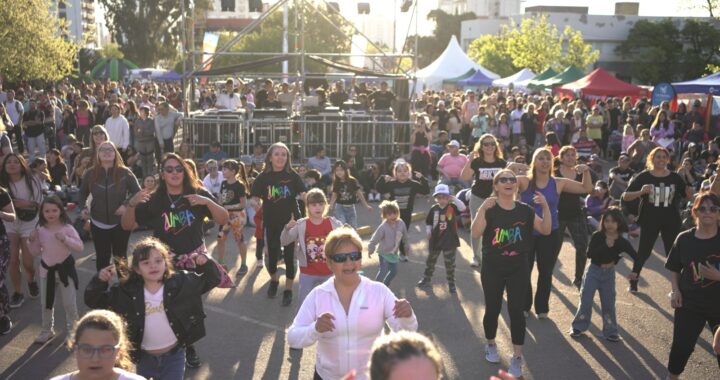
[[173, 201]]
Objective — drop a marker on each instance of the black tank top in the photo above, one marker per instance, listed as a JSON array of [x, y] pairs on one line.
[[569, 205], [421, 139]]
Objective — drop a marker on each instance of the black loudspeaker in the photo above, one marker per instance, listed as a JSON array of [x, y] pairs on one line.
[[402, 102], [255, 5], [270, 113], [363, 8]]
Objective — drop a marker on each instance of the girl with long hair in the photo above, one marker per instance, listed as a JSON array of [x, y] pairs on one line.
[[277, 189], [7, 214], [85, 119], [233, 195], [346, 193], [420, 141], [111, 185]]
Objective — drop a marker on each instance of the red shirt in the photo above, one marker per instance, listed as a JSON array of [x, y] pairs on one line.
[[258, 218], [315, 248]]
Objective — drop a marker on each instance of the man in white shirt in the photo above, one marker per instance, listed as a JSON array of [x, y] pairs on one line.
[[228, 99], [469, 109], [166, 124], [118, 128], [516, 123], [15, 111]]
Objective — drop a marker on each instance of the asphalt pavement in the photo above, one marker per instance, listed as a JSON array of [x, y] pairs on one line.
[[246, 330]]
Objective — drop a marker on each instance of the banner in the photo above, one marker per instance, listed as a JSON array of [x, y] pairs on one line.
[[663, 92], [210, 42]]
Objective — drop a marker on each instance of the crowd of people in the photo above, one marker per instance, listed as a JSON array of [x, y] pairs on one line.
[[519, 171]]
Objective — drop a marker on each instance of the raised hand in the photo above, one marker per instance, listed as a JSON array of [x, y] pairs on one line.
[[325, 323]]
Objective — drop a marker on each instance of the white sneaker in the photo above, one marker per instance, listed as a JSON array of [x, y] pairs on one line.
[[516, 364], [475, 263], [491, 353], [45, 336], [543, 316]]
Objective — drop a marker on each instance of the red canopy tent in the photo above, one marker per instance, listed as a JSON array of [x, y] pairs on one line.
[[600, 83]]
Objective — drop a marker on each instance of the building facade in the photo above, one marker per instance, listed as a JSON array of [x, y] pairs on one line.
[[81, 19]]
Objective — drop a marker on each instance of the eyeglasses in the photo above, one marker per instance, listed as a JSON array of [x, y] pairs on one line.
[[106, 149], [86, 351], [178, 169], [707, 210], [488, 144], [343, 257], [511, 180]]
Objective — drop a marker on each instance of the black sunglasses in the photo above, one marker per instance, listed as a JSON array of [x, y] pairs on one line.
[[711, 209], [177, 169], [488, 144], [512, 180], [343, 257]]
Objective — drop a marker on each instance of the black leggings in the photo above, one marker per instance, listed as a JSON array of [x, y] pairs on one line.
[[272, 239], [649, 232], [259, 246], [545, 251], [686, 330], [406, 217], [494, 283], [112, 242]]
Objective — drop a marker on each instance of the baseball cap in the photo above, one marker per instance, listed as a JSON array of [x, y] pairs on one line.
[[441, 189], [454, 143]]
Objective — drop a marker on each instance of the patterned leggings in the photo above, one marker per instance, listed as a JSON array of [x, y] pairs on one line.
[[4, 259]]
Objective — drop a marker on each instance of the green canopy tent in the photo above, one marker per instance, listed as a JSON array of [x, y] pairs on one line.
[[112, 68], [547, 74], [570, 74], [468, 74]]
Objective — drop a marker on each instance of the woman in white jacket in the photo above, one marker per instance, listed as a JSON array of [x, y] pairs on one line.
[[347, 313]]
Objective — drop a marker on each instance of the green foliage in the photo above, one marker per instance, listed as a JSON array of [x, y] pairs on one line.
[[320, 37], [534, 44], [660, 52], [149, 31], [32, 43], [111, 50], [446, 26]]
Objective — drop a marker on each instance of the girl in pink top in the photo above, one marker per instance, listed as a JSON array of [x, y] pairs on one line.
[[54, 240]]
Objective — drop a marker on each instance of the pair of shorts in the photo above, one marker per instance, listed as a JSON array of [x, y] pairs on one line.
[[19, 227], [235, 225]]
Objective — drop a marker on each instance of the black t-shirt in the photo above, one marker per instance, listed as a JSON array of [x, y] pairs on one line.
[[37, 129], [4, 201], [614, 118], [686, 255], [57, 173], [278, 191], [404, 192], [181, 226], [508, 237], [569, 205], [599, 253], [662, 204], [615, 188], [484, 173], [231, 193], [444, 223], [346, 192], [382, 99], [443, 117]]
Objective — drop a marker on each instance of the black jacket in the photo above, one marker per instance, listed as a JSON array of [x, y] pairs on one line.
[[182, 298]]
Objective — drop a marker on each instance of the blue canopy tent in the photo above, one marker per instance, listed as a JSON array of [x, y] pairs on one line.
[[169, 76], [706, 85], [476, 80]]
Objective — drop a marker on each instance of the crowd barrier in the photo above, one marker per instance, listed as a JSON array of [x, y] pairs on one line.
[[376, 137]]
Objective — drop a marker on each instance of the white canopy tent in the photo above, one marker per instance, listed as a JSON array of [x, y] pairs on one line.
[[452, 63], [519, 80]]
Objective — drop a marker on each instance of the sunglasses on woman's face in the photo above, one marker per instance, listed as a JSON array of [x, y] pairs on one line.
[[706, 210], [178, 169], [504, 180], [106, 149], [343, 257], [98, 133], [488, 144]]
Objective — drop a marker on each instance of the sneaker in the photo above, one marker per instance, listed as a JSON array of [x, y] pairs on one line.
[[423, 282], [404, 258], [491, 353], [192, 360], [516, 364], [633, 286], [451, 288], [273, 288], [16, 300], [287, 297], [259, 264], [575, 333], [542, 316], [34, 290], [242, 271], [45, 337], [475, 263], [613, 338], [5, 325]]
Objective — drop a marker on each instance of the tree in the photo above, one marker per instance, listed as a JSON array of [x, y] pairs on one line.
[[534, 44], [660, 52], [111, 50], [446, 26], [148, 30], [320, 37], [33, 44]]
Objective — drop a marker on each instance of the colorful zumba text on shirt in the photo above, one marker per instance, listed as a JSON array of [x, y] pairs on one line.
[[712, 261], [506, 237], [279, 192], [177, 221]]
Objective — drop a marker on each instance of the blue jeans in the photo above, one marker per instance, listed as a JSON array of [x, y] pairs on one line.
[[170, 365], [597, 278], [387, 271], [346, 214]]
